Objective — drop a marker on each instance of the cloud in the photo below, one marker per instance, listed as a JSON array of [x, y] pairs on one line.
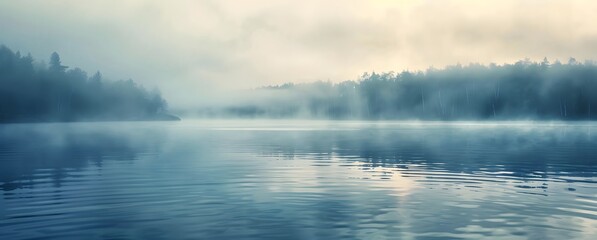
[[189, 48]]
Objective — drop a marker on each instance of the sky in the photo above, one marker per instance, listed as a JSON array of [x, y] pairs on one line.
[[191, 50]]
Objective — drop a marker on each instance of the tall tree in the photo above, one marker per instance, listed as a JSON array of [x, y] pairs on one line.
[[55, 63]]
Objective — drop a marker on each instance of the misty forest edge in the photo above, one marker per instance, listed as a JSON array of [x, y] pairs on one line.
[[32, 91], [525, 90]]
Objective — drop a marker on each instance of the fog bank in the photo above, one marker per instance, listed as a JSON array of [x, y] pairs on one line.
[[523, 90]]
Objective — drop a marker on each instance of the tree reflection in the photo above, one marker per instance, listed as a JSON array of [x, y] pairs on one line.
[[32, 152]]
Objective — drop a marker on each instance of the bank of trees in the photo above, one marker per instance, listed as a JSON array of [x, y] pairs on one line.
[[523, 90], [32, 91]]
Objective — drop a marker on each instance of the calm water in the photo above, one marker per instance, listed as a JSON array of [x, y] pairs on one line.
[[298, 180]]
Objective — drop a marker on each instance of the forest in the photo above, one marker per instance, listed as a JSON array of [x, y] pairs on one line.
[[32, 91], [524, 90]]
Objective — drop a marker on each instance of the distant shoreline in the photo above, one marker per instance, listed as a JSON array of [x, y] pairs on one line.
[[158, 118], [34, 92]]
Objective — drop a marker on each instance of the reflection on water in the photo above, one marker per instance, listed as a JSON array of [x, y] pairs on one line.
[[298, 180], [26, 150]]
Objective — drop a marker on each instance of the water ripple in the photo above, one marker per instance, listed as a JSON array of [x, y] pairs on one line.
[[297, 180]]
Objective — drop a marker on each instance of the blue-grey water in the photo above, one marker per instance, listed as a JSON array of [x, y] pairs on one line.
[[298, 180]]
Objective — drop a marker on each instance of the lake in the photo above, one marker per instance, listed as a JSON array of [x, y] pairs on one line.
[[254, 179]]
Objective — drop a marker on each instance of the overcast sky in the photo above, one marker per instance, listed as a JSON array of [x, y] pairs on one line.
[[187, 48]]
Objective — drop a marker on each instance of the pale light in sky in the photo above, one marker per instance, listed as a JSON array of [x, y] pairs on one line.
[[189, 48]]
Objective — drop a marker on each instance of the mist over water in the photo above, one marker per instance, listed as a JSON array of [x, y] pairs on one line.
[[523, 90], [361, 119], [298, 180]]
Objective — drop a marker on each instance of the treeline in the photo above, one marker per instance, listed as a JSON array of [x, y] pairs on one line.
[[31, 91], [524, 90]]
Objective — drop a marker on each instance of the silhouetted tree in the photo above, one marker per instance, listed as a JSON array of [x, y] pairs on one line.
[[55, 63]]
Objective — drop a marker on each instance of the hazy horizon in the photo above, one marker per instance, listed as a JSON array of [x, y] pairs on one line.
[[263, 119], [192, 50]]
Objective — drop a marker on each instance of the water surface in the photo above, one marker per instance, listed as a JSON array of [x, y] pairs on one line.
[[298, 180]]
